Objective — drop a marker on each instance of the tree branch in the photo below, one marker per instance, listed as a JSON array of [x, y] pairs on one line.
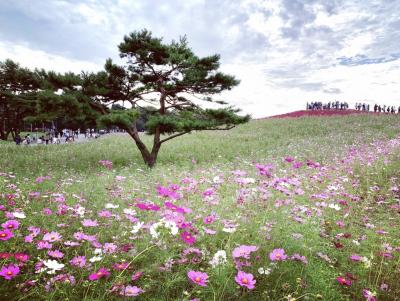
[[173, 136]]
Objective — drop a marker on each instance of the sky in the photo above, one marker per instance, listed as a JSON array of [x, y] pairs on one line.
[[285, 52]]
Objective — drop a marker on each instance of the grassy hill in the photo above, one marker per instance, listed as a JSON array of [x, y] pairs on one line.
[[325, 191]]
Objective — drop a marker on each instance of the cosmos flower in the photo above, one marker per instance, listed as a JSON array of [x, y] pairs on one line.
[[78, 261], [10, 224], [343, 281], [277, 255], [198, 278], [52, 236], [131, 291], [188, 238], [6, 234], [9, 272], [244, 279], [243, 251], [101, 273]]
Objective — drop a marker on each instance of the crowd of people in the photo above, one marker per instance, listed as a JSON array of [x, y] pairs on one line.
[[52, 136], [336, 105]]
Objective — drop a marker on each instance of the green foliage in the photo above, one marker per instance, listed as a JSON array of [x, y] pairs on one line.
[[121, 118]]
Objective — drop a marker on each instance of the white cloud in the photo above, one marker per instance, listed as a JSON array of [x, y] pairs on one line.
[[31, 58]]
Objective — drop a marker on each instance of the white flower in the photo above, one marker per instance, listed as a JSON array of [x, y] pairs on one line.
[[153, 229], [356, 242], [219, 258], [137, 227], [80, 211], [111, 206], [263, 271], [218, 180], [334, 206], [229, 230], [53, 266], [95, 258], [172, 227], [129, 211], [19, 214], [98, 251]]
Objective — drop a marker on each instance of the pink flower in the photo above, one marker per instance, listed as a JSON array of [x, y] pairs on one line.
[[277, 255], [198, 278], [104, 213], [355, 257], [120, 266], [9, 271], [109, 248], [209, 219], [55, 254], [78, 261], [131, 291], [11, 224], [148, 207], [343, 281], [244, 279], [47, 211], [136, 276], [43, 245], [6, 234], [370, 296], [102, 272], [52, 236], [188, 238], [89, 223], [243, 251], [106, 164]]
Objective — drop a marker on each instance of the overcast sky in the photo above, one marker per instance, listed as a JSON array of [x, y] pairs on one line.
[[285, 52]]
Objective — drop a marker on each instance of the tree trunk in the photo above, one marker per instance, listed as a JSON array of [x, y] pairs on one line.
[[147, 157]]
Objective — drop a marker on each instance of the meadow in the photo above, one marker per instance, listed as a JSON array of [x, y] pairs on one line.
[[276, 209]]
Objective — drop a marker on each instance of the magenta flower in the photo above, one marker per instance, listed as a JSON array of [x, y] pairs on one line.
[[78, 261], [209, 219], [131, 291], [343, 281], [188, 238], [22, 257], [47, 211], [136, 276], [52, 236], [244, 279], [355, 257], [10, 271], [277, 255], [198, 278], [102, 272], [243, 251], [6, 234], [11, 224]]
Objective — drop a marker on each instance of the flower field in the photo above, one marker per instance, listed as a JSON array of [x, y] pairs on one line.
[[277, 209]]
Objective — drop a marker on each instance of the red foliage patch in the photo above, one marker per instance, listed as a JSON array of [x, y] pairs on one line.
[[320, 113]]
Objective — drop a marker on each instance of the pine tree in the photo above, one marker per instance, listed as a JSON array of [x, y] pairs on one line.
[[169, 77]]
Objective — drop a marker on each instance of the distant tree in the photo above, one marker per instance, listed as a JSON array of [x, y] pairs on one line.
[[18, 92], [169, 77]]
